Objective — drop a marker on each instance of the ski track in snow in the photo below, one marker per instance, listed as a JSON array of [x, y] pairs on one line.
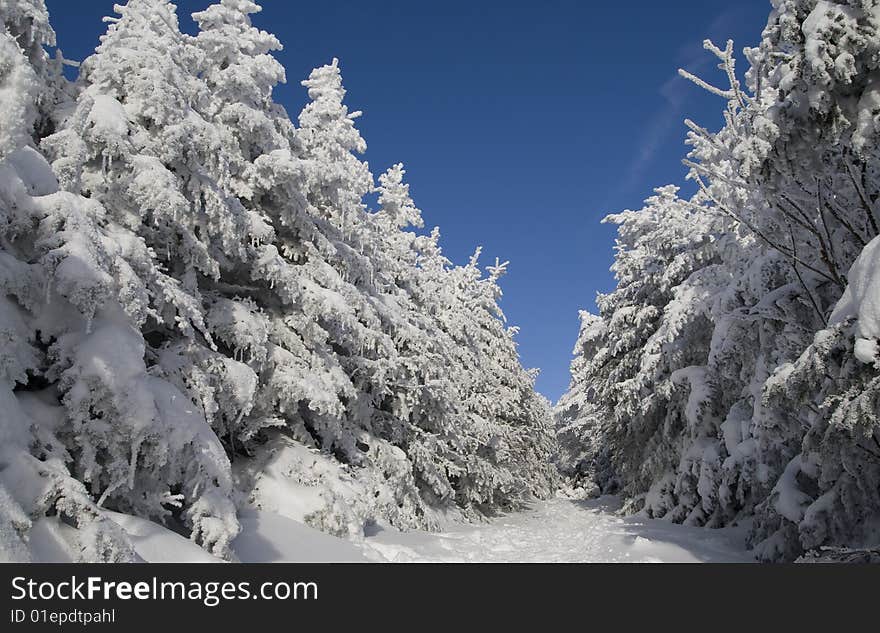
[[563, 530]]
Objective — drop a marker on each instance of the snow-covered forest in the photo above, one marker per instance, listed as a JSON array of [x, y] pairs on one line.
[[733, 375], [200, 306], [219, 328]]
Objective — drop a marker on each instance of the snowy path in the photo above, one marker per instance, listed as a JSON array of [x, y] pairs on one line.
[[559, 530], [562, 530]]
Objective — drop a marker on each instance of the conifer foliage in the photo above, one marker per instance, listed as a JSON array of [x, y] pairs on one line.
[[191, 280], [733, 371]]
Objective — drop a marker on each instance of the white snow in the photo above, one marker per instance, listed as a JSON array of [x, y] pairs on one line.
[[270, 538], [564, 530], [287, 483], [264, 538], [50, 541], [34, 171], [559, 530], [189, 278], [866, 350], [108, 117], [861, 299], [787, 498], [157, 544]]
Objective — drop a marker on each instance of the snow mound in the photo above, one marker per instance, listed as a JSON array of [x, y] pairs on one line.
[[265, 537], [271, 538], [861, 300], [157, 544], [50, 541], [34, 171]]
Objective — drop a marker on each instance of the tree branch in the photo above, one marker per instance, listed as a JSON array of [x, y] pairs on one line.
[[863, 196]]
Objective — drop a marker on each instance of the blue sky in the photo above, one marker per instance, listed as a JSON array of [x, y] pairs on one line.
[[521, 124]]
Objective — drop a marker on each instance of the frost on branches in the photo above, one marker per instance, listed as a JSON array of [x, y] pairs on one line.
[[200, 311], [733, 373], [54, 270]]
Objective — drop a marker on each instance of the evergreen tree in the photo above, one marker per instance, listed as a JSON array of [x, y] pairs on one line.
[[55, 273], [195, 281], [135, 144], [776, 405]]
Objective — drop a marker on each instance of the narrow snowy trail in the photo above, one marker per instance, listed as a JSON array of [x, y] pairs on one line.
[[562, 530], [559, 530]]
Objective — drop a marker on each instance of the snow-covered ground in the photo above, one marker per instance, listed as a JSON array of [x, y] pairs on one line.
[[563, 530], [559, 530]]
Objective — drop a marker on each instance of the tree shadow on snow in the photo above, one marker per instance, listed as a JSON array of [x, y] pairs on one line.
[[696, 544]]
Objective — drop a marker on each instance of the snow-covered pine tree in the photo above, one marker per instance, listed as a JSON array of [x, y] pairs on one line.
[[826, 492], [581, 455], [335, 277], [310, 285], [135, 144], [27, 21], [799, 182], [55, 277], [419, 407], [496, 453], [637, 361], [779, 418], [515, 438], [401, 394], [195, 279]]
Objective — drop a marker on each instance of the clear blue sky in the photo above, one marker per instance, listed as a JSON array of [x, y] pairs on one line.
[[521, 124]]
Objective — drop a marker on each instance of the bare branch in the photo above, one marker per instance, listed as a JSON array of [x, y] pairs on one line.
[[758, 233], [797, 272], [725, 94], [863, 196]]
